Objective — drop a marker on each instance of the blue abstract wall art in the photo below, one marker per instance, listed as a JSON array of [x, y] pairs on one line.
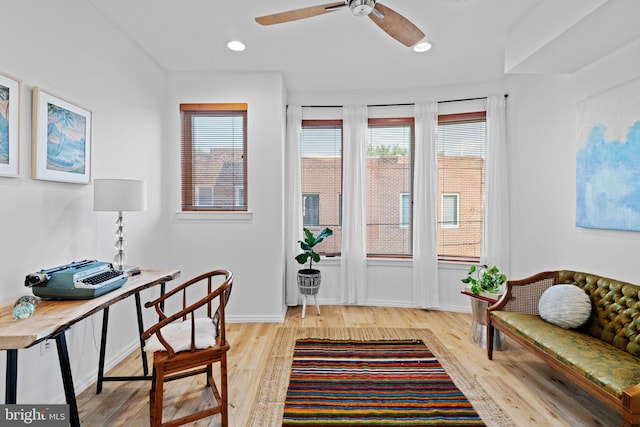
[[608, 160]]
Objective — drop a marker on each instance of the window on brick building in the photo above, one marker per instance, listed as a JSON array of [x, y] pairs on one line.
[[405, 209], [310, 210], [203, 195], [450, 211]]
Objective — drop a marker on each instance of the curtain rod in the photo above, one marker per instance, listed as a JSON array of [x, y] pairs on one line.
[[400, 105]]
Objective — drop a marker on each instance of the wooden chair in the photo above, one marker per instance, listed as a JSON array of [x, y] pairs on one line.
[[184, 345]]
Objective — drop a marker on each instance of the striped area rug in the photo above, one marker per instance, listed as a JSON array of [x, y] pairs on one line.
[[374, 383], [268, 408]]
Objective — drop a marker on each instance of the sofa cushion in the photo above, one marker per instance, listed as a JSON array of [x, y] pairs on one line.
[[566, 306], [607, 366]]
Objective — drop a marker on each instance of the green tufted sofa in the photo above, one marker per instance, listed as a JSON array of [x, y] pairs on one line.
[[602, 356]]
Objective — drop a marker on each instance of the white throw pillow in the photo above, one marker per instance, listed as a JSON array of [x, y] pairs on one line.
[[178, 335], [567, 306]]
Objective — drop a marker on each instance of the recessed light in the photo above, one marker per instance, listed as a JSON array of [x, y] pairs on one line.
[[236, 45], [422, 47]]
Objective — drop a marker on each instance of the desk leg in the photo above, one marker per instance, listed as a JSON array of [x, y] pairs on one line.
[[67, 380], [163, 288], [103, 349], [11, 383], [145, 366], [103, 346]]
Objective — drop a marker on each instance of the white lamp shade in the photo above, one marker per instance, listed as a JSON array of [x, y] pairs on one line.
[[116, 195]]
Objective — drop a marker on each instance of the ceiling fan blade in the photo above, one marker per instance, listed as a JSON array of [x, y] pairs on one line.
[[396, 25], [305, 12]]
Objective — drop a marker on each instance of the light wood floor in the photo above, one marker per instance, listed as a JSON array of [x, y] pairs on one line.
[[526, 389]]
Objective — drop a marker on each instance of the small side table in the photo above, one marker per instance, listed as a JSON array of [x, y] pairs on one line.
[[478, 333]]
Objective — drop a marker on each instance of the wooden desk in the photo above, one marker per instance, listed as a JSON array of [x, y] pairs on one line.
[[51, 320]]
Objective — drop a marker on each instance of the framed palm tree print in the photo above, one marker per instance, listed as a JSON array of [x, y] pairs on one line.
[[61, 140]]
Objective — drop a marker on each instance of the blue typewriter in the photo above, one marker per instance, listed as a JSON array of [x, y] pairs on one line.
[[77, 280]]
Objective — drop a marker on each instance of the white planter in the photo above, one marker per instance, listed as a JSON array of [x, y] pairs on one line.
[[309, 281]]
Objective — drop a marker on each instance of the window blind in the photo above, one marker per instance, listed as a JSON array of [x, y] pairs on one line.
[[389, 186], [321, 167], [461, 145], [214, 157]]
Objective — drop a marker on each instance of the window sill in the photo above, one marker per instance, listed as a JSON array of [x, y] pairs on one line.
[[214, 216]]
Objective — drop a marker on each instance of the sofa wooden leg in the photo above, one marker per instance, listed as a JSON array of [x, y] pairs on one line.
[[490, 341]]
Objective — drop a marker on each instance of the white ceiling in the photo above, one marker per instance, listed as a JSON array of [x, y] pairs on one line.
[[334, 51]]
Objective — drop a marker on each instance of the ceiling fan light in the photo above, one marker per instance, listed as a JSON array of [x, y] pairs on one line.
[[361, 7], [423, 46], [236, 46]]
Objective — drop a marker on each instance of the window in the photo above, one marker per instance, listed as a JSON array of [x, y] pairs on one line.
[[311, 209], [214, 157], [204, 195], [240, 195], [405, 209], [450, 211], [461, 145], [389, 178], [461, 140], [321, 166]]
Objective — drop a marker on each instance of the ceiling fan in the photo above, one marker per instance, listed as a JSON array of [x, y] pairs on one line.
[[394, 24]]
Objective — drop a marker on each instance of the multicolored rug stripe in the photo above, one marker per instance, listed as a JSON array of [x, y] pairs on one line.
[[373, 383]]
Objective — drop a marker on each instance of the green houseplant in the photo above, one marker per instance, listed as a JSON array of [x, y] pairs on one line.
[[484, 279], [309, 278], [310, 241]]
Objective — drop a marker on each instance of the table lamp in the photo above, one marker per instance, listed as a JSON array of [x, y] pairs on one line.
[[119, 195]]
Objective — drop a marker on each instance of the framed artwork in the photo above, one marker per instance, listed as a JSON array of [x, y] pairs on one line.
[[9, 125], [61, 140], [607, 172]]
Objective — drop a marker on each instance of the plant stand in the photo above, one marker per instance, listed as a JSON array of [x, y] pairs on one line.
[[308, 285], [478, 332], [304, 305]]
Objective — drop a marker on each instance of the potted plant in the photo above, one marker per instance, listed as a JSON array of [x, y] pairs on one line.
[[484, 279], [309, 278]]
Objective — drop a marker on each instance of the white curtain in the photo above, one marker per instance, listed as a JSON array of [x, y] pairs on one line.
[[293, 201], [353, 263], [425, 207], [495, 243]]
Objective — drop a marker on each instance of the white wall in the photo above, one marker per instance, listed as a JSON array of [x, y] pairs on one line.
[[543, 137], [67, 48], [250, 245]]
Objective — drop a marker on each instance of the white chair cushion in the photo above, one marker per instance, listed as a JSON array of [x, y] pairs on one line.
[[567, 306], [178, 335]]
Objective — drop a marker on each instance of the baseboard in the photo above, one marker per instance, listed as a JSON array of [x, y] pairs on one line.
[[255, 319]]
